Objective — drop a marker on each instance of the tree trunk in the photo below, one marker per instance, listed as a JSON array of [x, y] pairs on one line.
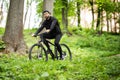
[[78, 13], [98, 19], [30, 17], [115, 27], [65, 15], [114, 14], [13, 36], [48, 5], [26, 13], [102, 23], [111, 24], [1, 12], [119, 23], [107, 19], [92, 9]]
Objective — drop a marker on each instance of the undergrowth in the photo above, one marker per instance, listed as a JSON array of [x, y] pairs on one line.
[[94, 58]]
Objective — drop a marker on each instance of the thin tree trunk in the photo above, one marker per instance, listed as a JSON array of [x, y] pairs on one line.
[[78, 13], [65, 14], [28, 6], [115, 27], [119, 23], [1, 11], [102, 23], [107, 19], [92, 9], [111, 24], [98, 19], [114, 14], [13, 36], [29, 18]]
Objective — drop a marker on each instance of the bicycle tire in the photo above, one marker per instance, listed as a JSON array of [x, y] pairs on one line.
[[37, 51], [66, 52]]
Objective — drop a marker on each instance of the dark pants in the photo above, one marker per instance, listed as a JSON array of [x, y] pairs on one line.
[[57, 38]]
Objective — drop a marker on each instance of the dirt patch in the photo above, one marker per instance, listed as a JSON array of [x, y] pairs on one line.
[[116, 55]]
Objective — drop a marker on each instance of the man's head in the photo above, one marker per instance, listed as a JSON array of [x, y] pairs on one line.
[[46, 14]]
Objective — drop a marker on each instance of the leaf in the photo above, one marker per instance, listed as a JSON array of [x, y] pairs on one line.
[[45, 74], [62, 77]]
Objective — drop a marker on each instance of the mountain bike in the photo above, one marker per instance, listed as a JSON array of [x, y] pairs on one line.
[[38, 51]]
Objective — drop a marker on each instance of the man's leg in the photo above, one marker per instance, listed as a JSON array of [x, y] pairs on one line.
[[43, 37], [57, 40]]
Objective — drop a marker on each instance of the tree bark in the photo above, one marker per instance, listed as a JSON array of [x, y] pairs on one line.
[[119, 23], [13, 36], [48, 5], [26, 13], [65, 14], [111, 24], [1, 12], [102, 23], [98, 19], [114, 15], [107, 19], [78, 13], [92, 9]]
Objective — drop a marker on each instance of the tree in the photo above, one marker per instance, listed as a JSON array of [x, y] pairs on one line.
[[65, 14], [13, 36], [99, 15], [29, 2], [92, 10], [1, 12], [3, 8], [78, 12], [48, 5], [44, 5], [98, 18]]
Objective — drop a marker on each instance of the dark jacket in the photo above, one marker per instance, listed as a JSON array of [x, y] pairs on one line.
[[51, 24]]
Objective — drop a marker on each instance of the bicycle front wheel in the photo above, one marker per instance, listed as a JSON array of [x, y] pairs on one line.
[[66, 53], [37, 51]]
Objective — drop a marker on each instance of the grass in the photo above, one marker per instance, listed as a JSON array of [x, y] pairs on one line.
[[94, 58]]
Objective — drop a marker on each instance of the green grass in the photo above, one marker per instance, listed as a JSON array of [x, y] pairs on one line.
[[94, 58]]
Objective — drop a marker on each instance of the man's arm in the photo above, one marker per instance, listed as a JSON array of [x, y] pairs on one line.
[[53, 24], [39, 30]]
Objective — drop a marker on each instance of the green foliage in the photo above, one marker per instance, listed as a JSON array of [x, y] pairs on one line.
[[39, 7], [92, 59], [2, 31], [109, 6], [2, 45], [90, 39], [74, 30], [89, 67]]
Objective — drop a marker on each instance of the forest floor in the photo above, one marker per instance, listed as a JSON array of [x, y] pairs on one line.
[[94, 58]]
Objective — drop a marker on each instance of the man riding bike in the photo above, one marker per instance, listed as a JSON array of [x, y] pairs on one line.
[[53, 31]]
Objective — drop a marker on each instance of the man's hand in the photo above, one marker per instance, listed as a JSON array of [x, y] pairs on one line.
[[48, 30], [33, 35]]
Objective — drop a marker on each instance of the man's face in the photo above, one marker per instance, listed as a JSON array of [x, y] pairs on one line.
[[46, 15]]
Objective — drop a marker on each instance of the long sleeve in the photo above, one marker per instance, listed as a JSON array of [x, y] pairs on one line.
[[39, 30], [53, 24]]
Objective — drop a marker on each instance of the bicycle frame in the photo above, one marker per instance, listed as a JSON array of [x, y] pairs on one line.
[[55, 50]]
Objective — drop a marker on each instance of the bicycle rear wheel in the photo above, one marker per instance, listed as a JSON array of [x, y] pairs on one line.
[[37, 51], [66, 53]]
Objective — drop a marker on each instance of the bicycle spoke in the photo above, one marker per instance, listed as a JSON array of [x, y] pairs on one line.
[[37, 52], [66, 53]]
